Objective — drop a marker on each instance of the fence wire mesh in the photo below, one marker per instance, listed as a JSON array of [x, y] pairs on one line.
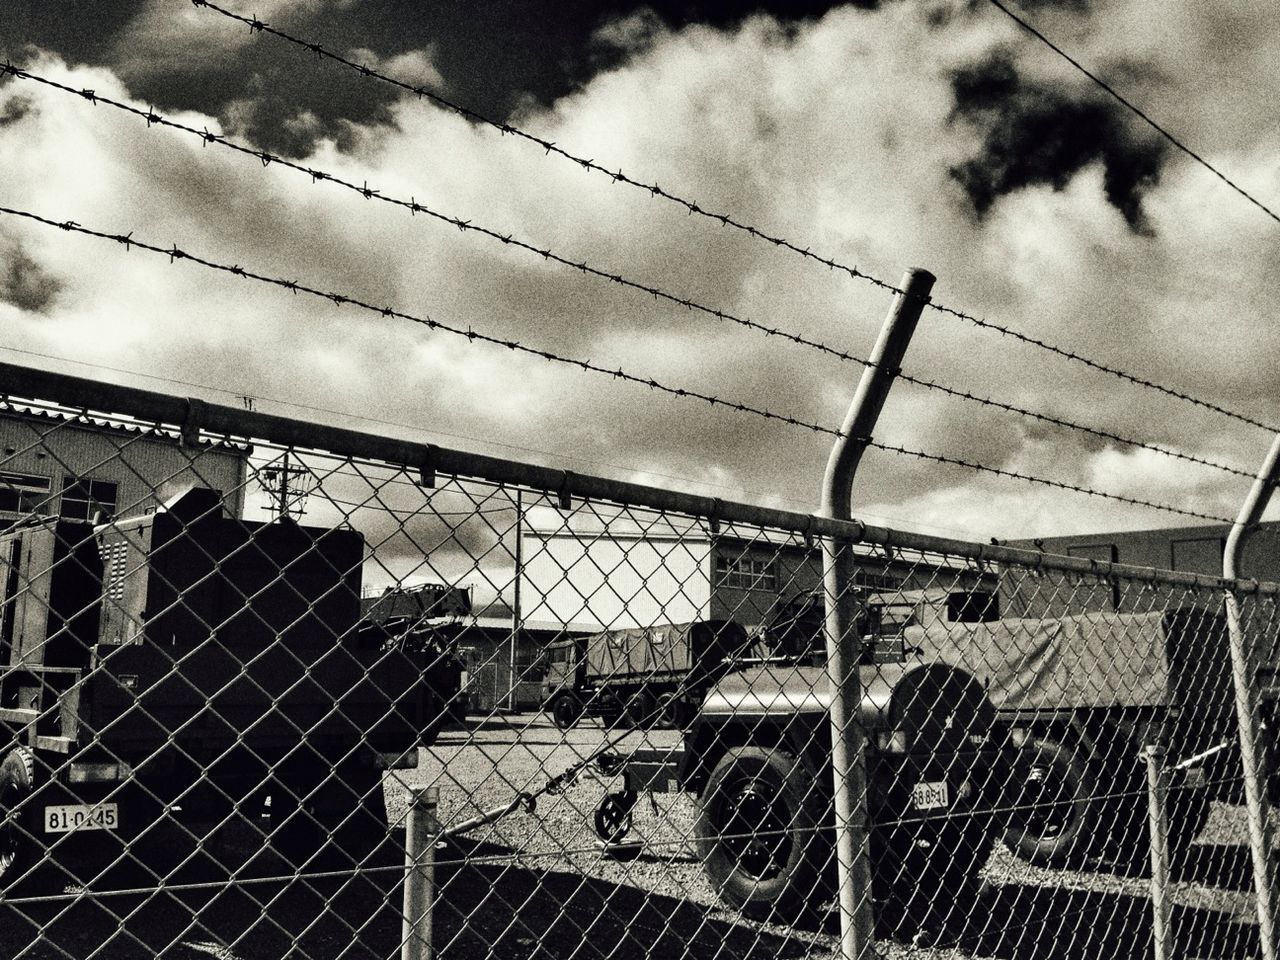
[[227, 665]]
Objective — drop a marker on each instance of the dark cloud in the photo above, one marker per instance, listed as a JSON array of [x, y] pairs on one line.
[[15, 109], [23, 283], [1034, 134]]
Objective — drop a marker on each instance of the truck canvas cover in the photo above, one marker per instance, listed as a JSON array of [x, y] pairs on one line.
[[663, 651], [1089, 660]]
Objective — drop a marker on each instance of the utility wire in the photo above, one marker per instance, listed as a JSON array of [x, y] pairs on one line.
[[154, 119], [1137, 111], [693, 208], [174, 254], [436, 432]]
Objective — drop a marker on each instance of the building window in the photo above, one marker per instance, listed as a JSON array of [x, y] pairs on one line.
[[23, 493], [972, 606], [83, 498], [746, 573], [863, 577]]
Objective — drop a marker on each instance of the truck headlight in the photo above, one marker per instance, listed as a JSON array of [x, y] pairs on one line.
[[98, 772], [892, 741]]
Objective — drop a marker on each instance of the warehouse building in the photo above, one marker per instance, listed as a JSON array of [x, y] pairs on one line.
[[80, 467], [628, 573], [1196, 549]]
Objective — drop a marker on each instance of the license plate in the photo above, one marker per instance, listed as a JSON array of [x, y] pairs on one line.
[[65, 818], [930, 795]]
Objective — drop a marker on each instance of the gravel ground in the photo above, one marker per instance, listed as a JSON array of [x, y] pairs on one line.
[[536, 886]]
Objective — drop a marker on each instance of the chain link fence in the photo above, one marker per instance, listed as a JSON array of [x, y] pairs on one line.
[[238, 653]]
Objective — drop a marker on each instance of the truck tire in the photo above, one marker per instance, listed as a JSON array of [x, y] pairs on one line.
[[1054, 820], [762, 834], [18, 848], [566, 709], [641, 709]]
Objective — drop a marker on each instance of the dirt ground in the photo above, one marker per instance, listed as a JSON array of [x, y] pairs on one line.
[[537, 885]]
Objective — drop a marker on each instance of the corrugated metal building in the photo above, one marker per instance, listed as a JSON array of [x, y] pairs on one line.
[[82, 466], [1195, 549]]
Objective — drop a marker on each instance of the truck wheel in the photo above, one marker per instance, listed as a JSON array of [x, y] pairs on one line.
[[1053, 820], [641, 709], [670, 711], [565, 710], [17, 847], [761, 833]]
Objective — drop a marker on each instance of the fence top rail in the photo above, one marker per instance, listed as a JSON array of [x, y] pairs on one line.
[[192, 417]]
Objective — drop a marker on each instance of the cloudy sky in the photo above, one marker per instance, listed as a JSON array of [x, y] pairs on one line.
[[881, 136]]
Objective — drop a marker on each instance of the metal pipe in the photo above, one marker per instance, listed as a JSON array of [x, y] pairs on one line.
[[516, 614], [844, 645], [303, 435], [421, 831], [1244, 673], [1158, 825]]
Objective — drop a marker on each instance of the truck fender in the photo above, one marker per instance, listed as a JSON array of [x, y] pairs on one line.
[[706, 742]]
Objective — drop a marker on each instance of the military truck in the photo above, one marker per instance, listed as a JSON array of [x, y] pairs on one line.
[[645, 675], [757, 757], [1081, 696], [189, 666]]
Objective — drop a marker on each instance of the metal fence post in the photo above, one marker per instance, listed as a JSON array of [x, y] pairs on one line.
[[421, 830], [848, 746], [1158, 823], [1244, 675]]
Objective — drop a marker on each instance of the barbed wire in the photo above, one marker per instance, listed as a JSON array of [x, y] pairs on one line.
[[1134, 108], [1101, 367], [174, 254], [548, 146], [154, 119], [693, 208], [1042, 481]]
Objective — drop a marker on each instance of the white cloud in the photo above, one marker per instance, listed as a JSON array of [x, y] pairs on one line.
[[836, 138], [165, 37], [415, 67]]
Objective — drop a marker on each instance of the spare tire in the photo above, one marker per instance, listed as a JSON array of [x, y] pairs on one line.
[[17, 846]]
